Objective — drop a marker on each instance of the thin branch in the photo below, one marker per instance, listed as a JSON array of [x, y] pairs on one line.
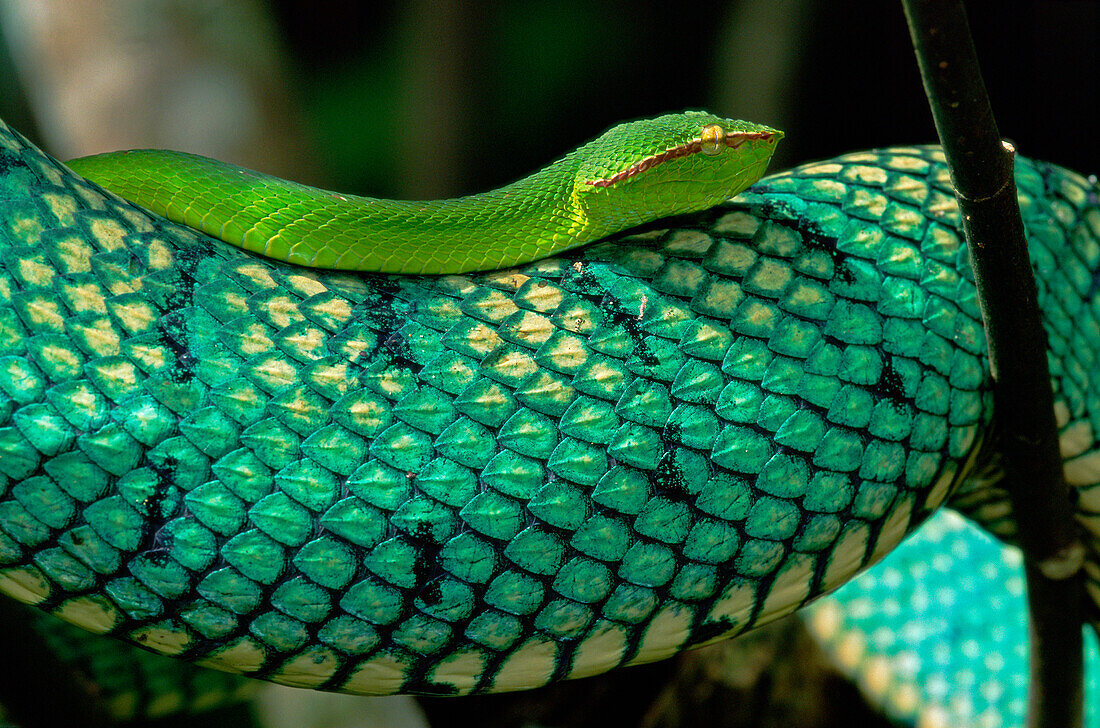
[[982, 172]]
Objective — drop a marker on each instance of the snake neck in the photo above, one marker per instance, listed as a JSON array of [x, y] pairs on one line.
[[526, 220], [529, 219]]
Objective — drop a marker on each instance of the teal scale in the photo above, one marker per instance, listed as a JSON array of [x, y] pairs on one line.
[[486, 482], [936, 636]]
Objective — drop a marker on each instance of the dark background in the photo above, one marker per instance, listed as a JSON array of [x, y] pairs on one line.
[[424, 99]]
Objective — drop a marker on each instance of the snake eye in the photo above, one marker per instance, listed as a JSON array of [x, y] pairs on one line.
[[712, 139]]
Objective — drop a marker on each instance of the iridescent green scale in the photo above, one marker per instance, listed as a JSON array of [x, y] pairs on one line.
[[486, 482]]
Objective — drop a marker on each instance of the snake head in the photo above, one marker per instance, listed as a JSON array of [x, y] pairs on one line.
[[673, 164]]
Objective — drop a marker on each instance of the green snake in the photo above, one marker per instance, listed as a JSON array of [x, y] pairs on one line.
[[484, 482], [632, 174]]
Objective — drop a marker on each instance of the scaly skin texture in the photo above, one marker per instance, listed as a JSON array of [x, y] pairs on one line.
[[632, 174], [459, 484]]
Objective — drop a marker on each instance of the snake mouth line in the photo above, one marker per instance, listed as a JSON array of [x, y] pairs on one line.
[[732, 140]]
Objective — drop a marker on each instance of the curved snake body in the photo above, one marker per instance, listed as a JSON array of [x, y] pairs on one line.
[[472, 483], [632, 174]]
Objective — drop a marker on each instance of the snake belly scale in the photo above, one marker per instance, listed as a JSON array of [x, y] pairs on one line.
[[484, 482]]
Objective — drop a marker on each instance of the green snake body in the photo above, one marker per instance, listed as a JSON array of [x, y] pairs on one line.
[[632, 174], [472, 483]]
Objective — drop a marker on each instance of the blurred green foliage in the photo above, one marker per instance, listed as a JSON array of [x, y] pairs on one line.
[[444, 97]]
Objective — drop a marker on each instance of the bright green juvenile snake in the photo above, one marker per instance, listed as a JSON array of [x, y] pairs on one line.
[[634, 173], [470, 483]]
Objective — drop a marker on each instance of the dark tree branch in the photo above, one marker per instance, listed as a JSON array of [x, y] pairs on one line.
[[982, 172]]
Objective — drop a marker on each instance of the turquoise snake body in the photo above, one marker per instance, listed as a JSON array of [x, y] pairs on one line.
[[490, 481]]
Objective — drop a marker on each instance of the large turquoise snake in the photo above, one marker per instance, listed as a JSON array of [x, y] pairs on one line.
[[489, 481]]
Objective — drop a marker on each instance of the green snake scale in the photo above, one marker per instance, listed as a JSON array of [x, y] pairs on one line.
[[486, 482]]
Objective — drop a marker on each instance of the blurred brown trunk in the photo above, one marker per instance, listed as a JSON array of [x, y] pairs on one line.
[[205, 77]]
